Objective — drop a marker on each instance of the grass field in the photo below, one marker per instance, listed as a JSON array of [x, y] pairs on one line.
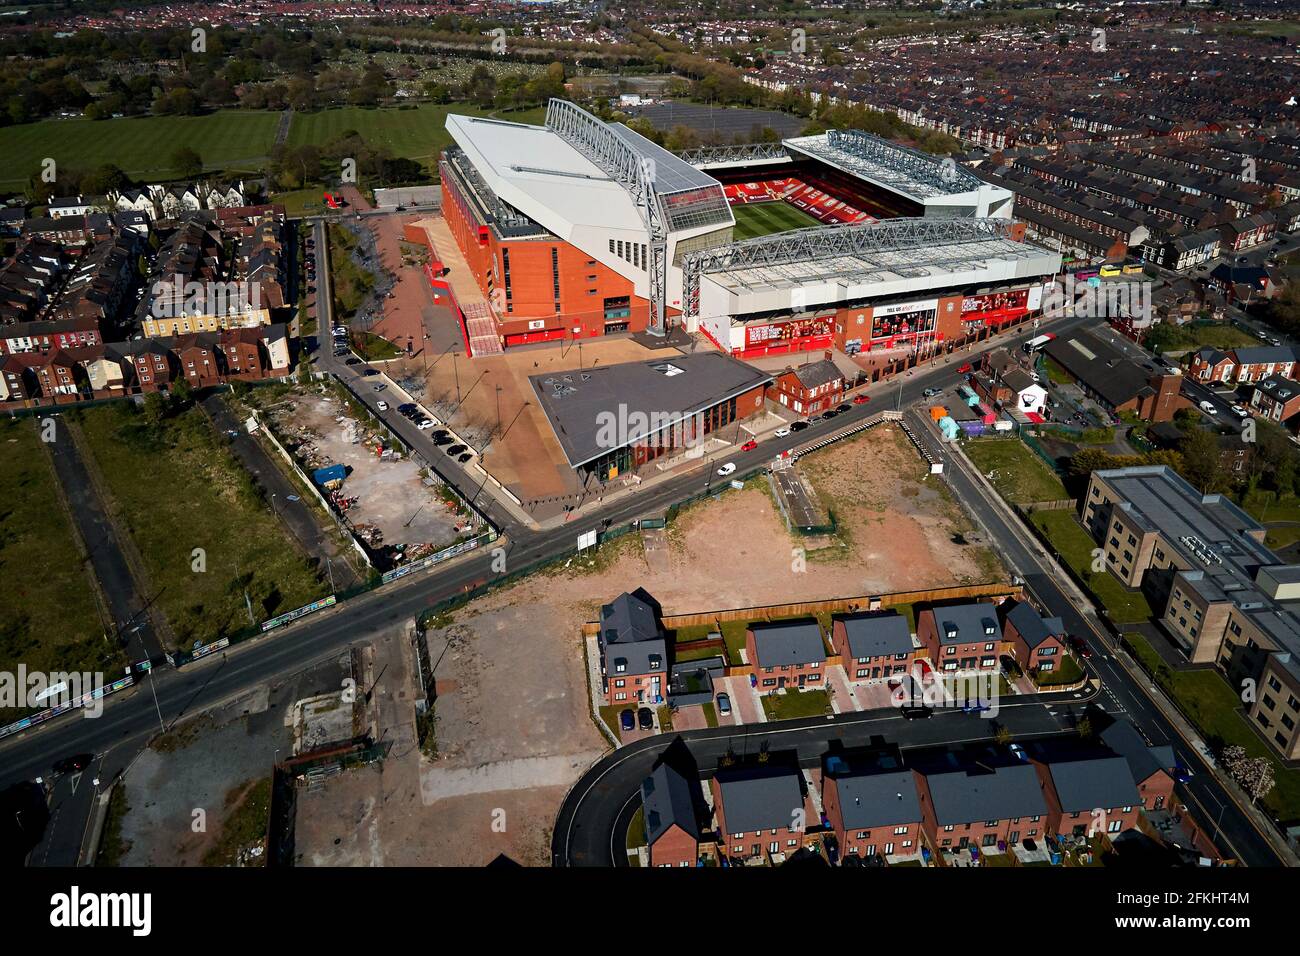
[[419, 133], [176, 487], [141, 146], [1015, 471], [759, 219], [48, 616], [1075, 548]]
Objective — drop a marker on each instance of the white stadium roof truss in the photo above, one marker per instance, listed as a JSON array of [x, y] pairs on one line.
[[727, 155], [909, 171], [911, 248]]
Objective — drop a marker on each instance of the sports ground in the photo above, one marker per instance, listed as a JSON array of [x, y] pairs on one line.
[[761, 218]]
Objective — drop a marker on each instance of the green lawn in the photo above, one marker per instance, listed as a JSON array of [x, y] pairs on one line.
[[176, 487], [1067, 673], [759, 219], [300, 202], [419, 133], [375, 348], [1213, 706], [1166, 337], [710, 714], [142, 146], [48, 615], [1017, 473], [1075, 548], [1264, 506], [796, 703]]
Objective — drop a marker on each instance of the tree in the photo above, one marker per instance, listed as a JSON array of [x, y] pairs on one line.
[[187, 162], [1202, 463], [155, 408]]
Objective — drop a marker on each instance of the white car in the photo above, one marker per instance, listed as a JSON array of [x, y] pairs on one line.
[[382, 406], [1207, 407], [1241, 411], [781, 432], [426, 424], [727, 469]]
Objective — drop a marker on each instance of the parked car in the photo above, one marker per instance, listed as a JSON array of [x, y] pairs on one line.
[[441, 440], [1207, 406], [726, 469], [963, 369], [382, 406], [749, 445], [1182, 774], [829, 414], [781, 432], [724, 704], [1018, 752], [406, 408], [798, 426], [646, 718], [380, 387], [465, 457], [455, 450], [915, 712], [370, 371], [1080, 647], [427, 423], [1241, 411], [352, 361], [858, 400], [441, 433], [845, 406], [73, 764], [627, 719], [931, 392]]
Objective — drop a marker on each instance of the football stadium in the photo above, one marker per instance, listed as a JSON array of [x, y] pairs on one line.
[[582, 228]]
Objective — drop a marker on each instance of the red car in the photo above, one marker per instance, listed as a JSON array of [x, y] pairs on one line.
[[964, 369], [749, 445], [861, 399]]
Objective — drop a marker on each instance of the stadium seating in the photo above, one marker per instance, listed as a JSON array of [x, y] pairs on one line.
[[821, 205]]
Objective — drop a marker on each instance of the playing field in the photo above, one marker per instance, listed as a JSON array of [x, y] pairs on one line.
[[759, 219], [419, 133], [142, 146]]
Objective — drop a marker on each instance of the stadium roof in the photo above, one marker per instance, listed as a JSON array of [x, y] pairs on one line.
[[914, 174], [637, 399]]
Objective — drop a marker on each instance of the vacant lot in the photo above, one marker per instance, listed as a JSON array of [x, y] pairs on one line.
[[1015, 471], [141, 146], [48, 615], [759, 219], [175, 488]]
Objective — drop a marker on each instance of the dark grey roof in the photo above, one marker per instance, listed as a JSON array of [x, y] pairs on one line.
[[788, 642], [970, 622], [878, 799], [1264, 354], [818, 373], [1279, 388], [630, 634], [666, 798], [1101, 782], [1033, 627], [661, 391], [1102, 367], [1005, 793], [876, 635], [1143, 760], [760, 798]]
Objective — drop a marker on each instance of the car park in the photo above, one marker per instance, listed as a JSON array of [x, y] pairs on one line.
[[724, 704], [727, 469], [749, 445], [646, 718]]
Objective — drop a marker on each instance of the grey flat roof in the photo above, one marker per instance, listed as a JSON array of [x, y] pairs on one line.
[[878, 799], [876, 635], [788, 642], [638, 398]]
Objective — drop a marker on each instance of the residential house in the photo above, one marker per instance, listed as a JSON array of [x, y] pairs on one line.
[[60, 375], [873, 645], [1089, 795], [18, 376], [47, 335], [1278, 399], [1037, 643], [786, 653], [153, 363], [200, 358], [809, 389], [672, 822], [874, 813], [760, 812], [961, 637], [982, 808], [1149, 765], [633, 654], [1256, 363]]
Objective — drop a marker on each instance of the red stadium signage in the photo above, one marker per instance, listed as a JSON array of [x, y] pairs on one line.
[[995, 308], [903, 320], [787, 333]]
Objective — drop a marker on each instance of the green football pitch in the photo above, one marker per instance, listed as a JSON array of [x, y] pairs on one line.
[[759, 219]]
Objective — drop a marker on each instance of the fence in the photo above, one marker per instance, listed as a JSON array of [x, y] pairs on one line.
[[446, 553], [39, 718]]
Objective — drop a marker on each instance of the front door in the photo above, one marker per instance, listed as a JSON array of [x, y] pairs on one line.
[[802, 678]]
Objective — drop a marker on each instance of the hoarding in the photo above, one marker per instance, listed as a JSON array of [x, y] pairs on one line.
[[778, 333]]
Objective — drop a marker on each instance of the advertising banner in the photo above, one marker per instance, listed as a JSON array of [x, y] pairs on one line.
[[758, 336], [903, 319]]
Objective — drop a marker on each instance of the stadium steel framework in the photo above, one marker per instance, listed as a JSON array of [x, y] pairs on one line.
[[827, 242], [635, 173], [743, 153], [945, 176]]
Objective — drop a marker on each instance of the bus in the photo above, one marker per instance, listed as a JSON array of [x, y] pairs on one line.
[[1034, 344], [1109, 272], [1134, 269], [1085, 274]]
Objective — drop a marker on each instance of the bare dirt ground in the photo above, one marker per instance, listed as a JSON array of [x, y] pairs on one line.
[[392, 497]]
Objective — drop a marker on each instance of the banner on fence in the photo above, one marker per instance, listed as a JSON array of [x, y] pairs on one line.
[[300, 612], [203, 650], [438, 558], [63, 708]]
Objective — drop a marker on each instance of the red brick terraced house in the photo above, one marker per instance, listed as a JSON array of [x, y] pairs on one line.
[[786, 653], [633, 654], [760, 812], [987, 809], [1253, 364], [18, 376], [1037, 643], [155, 366], [1089, 796], [1277, 399], [669, 804], [199, 355], [59, 375], [874, 813], [873, 645], [809, 389], [1150, 765], [242, 349], [961, 637]]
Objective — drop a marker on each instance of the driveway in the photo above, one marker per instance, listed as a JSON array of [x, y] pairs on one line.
[[745, 706]]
